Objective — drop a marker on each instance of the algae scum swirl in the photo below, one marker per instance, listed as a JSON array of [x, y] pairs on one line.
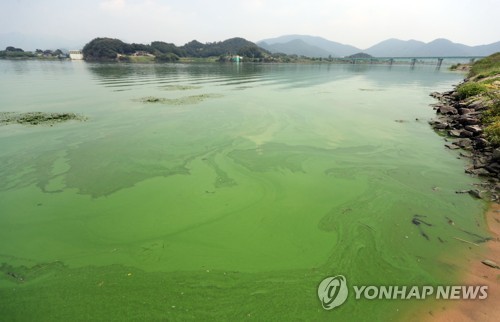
[[223, 192]]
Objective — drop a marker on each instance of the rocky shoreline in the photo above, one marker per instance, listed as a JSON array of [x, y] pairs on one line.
[[459, 120]]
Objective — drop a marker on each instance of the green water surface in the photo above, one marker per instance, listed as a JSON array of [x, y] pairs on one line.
[[231, 197]]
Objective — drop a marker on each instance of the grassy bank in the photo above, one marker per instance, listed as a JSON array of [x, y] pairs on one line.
[[484, 84], [470, 116]]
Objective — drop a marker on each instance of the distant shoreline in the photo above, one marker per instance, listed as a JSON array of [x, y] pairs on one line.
[[195, 60], [104, 49]]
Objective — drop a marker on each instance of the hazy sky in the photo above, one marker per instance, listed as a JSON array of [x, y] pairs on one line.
[[361, 23]]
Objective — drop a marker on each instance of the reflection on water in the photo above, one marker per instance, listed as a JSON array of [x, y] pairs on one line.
[[293, 75], [282, 175]]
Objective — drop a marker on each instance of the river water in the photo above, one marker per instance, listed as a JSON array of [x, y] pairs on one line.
[[231, 197]]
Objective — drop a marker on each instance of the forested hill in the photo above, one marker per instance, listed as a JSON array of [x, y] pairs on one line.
[[109, 49]]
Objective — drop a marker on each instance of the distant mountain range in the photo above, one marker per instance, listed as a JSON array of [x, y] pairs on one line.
[[312, 46]]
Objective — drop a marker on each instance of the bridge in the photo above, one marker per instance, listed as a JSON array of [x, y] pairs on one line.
[[412, 61]]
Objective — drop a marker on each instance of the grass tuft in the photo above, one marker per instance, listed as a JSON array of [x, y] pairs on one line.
[[486, 67], [469, 89]]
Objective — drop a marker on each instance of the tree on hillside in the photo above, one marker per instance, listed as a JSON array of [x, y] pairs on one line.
[[141, 47], [167, 58], [13, 52], [109, 48], [251, 51], [226, 47], [11, 48], [360, 55], [164, 48], [193, 48], [105, 48]]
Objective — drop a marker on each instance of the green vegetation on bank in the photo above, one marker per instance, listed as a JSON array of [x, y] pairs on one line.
[[486, 67], [109, 49], [115, 49], [12, 52], [467, 90], [460, 67], [17, 53], [484, 85], [106, 49], [360, 55], [491, 118]]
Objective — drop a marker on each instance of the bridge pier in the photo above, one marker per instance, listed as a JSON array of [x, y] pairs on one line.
[[412, 61], [440, 61]]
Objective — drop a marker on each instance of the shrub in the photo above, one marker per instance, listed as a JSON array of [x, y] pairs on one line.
[[470, 89], [491, 120], [124, 59], [492, 132], [492, 113], [167, 58]]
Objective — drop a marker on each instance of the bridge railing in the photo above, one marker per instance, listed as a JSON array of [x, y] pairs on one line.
[[412, 61]]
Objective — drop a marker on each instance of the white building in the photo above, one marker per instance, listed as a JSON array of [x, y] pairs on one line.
[[76, 54]]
